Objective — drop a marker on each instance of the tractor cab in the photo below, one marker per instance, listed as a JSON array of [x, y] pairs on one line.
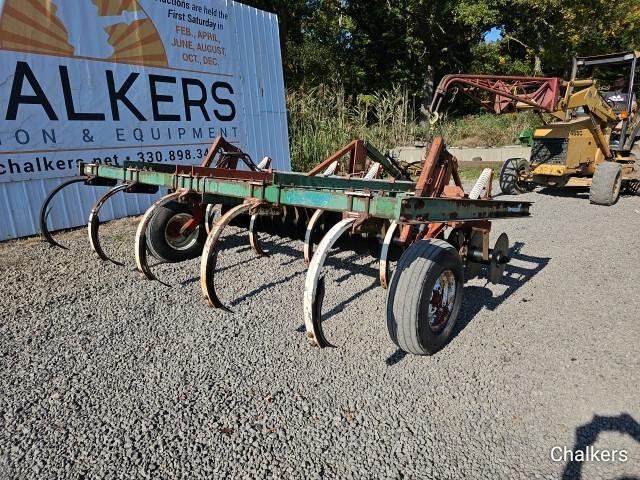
[[619, 94]]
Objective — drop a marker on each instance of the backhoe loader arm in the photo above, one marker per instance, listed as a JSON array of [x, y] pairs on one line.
[[591, 100], [596, 107]]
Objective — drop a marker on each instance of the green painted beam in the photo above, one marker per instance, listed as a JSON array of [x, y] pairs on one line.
[[152, 167], [339, 183], [392, 205], [302, 180], [430, 210]]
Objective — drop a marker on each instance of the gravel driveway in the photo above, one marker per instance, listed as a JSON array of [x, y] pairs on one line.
[[105, 375]]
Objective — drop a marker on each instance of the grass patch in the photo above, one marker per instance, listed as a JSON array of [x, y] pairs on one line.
[[486, 129], [323, 119], [471, 174]]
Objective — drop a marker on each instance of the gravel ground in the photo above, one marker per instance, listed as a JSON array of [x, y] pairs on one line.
[[105, 375]]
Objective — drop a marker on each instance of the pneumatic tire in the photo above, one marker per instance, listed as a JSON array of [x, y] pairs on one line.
[[510, 176], [425, 296], [606, 184], [633, 186], [164, 240], [635, 150]]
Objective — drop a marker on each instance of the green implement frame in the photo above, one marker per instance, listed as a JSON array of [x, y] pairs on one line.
[[391, 200], [439, 235]]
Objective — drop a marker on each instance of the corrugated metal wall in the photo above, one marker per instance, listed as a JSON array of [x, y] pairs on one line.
[[261, 67], [21, 203], [265, 120]]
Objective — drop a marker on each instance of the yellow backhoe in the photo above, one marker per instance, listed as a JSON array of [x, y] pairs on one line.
[[594, 139]]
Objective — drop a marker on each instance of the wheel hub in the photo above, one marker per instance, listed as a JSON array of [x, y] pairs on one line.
[[443, 297], [178, 238]]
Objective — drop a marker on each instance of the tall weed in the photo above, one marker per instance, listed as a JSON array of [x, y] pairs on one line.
[[324, 119]]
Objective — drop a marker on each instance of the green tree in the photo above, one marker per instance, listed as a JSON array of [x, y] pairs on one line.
[[291, 16], [369, 45]]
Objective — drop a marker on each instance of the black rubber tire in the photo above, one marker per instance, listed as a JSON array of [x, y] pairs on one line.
[[606, 184], [157, 242], [510, 183], [635, 150], [633, 186], [409, 295]]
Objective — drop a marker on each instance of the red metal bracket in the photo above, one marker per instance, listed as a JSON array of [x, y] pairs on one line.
[[501, 93]]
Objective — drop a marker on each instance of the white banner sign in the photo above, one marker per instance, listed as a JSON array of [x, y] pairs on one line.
[[110, 81]]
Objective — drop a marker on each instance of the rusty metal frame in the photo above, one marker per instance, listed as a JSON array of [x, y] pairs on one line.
[[357, 158], [540, 93], [437, 171], [419, 210], [228, 155], [359, 151]]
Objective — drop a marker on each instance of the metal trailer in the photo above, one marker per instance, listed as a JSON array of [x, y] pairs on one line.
[[438, 234]]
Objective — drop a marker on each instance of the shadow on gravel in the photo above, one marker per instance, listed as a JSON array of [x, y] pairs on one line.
[[515, 276], [281, 246], [586, 435], [571, 192], [264, 287], [341, 306], [477, 298], [184, 283], [565, 192], [583, 192], [396, 358], [237, 241]]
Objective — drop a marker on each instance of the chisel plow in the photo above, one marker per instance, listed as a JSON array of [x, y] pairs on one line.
[[438, 234]]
